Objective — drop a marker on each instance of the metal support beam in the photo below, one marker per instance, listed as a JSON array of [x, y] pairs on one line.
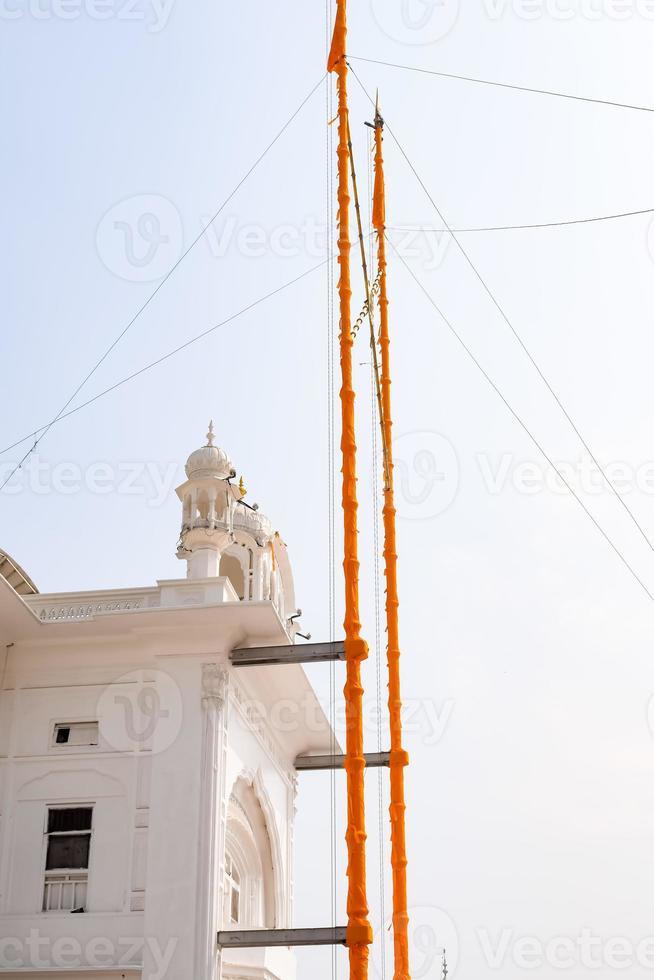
[[374, 760], [302, 653], [250, 938]]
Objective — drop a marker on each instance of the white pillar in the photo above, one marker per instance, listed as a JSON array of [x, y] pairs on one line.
[[174, 822], [211, 850], [204, 563], [230, 515], [257, 575], [267, 574]]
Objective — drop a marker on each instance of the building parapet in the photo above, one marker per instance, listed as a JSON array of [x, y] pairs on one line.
[[80, 606]]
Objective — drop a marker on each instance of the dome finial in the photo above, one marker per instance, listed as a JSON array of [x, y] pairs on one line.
[[210, 460]]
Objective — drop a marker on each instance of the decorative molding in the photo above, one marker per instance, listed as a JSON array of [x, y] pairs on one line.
[[259, 725], [255, 781], [215, 684], [279, 868], [64, 611]]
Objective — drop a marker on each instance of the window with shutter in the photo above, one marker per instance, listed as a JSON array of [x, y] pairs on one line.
[[67, 858]]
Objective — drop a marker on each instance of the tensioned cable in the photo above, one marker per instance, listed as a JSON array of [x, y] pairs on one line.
[[307, 272], [164, 357], [515, 333], [165, 279], [279, 289], [517, 88], [526, 227], [520, 422]]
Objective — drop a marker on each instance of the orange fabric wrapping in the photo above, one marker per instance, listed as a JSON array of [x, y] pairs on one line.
[[379, 198], [398, 757], [337, 49], [359, 932]]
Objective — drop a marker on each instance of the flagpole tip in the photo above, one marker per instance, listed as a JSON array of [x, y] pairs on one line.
[[378, 116]]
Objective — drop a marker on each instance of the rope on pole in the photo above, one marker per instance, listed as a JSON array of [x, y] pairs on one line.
[[398, 757], [359, 932]]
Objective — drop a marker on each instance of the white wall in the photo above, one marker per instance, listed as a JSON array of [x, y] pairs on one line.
[[144, 868], [249, 756]]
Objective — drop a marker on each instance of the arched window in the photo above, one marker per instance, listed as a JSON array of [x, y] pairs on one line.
[[232, 568], [232, 911], [249, 899]]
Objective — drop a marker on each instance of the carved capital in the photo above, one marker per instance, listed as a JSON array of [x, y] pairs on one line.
[[215, 683]]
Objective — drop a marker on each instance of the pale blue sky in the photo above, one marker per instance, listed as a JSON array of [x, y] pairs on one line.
[[533, 813]]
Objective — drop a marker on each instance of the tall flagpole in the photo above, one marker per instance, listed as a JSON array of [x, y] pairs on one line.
[[359, 932], [398, 757]]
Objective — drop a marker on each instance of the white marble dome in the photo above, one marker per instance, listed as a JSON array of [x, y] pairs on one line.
[[209, 460]]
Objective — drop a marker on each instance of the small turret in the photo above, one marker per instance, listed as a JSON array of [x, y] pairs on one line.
[[223, 536], [208, 500]]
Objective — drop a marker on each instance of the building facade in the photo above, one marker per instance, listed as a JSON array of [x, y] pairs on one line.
[[147, 786]]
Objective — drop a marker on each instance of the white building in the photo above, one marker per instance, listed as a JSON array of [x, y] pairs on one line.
[[147, 786]]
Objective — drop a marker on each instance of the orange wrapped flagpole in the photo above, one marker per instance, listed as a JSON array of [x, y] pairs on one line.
[[359, 932], [398, 758]]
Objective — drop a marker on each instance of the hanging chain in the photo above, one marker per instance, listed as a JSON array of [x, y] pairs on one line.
[[366, 308]]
